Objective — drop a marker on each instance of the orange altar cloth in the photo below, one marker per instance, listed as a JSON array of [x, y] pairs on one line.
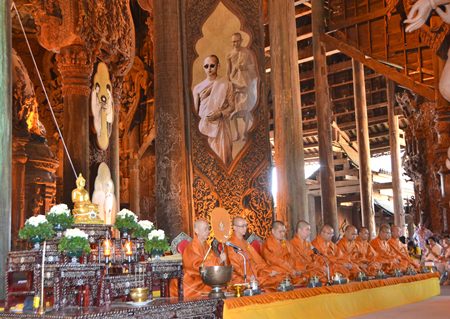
[[341, 301]]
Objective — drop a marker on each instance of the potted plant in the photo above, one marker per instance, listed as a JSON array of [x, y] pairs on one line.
[[156, 243], [61, 218], [74, 243], [36, 229], [126, 222], [145, 227]]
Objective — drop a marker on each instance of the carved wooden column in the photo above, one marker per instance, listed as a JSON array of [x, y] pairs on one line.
[[362, 129], [394, 145], [324, 113], [5, 138], [289, 154], [134, 184], [19, 159], [172, 209], [75, 66]]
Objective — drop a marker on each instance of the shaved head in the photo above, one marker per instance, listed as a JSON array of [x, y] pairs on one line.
[[279, 230], [303, 229], [201, 229], [327, 232], [277, 224], [396, 231], [385, 232], [350, 233], [364, 233], [239, 227]]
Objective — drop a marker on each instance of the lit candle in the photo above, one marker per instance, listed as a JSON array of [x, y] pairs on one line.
[[128, 248], [106, 248]]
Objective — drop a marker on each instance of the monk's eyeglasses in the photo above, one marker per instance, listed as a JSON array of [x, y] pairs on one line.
[[243, 225], [206, 66]]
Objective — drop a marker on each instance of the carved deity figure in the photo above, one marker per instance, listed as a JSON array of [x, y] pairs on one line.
[[104, 195], [417, 16], [84, 211], [241, 72], [102, 106], [213, 100]]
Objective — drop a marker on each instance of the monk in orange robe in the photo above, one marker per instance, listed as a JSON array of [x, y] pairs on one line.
[[400, 249], [366, 255], [347, 246], [256, 267], [277, 252], [193, 256], [305, 261], [385, 254], [331, 253]]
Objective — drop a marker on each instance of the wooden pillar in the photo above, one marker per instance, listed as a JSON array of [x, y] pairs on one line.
[[394, 145], [312, 215], [289, 154], [18, 205], [173, 213], [324, 118], [5, 138], [362, 129], [76, 70], [135, 194], [115, 159]]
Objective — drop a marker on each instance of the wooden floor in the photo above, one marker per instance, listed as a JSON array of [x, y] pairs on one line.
[[435, 308]]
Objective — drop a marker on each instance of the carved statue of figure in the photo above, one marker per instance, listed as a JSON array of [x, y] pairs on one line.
[[417, 16], [102, 106], [83, 210], [104, 195], [213, 100], [38, 202], [241, 72]]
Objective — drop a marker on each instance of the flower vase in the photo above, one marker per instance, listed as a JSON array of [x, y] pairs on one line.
[[74, 256], [156, 253], [36, 240], [124, 233]]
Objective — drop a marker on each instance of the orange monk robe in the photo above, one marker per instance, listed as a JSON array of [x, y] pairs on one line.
[[193, 256], [333, 255], [256, 266], [279, 256], [305, 259], [366, 257], [402, 252], [387, 257], [349, 255]]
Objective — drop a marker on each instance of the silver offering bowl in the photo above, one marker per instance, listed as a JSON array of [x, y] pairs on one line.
[[216, 277]]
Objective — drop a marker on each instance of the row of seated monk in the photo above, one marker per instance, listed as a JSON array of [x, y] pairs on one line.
[[297, 259]]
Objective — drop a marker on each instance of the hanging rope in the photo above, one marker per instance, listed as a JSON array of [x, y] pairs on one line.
[[45, 91]]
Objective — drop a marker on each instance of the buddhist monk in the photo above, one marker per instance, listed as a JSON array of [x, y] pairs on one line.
[[400, 249], [304, 257], [366, 254], [331, 253], [256, 267], [385, 254], [277, 252], [347, 246], [193, 256]]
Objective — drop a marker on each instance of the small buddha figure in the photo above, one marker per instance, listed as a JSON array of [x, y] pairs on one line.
[[83, 210]]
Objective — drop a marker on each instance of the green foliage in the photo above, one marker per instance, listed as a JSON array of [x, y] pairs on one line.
[[74, 245], [141, 232], [66, 221], [127, 222], [155, 243], [44, 231]]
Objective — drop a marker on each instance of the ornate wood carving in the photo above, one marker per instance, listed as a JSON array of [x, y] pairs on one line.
[[243, 188]]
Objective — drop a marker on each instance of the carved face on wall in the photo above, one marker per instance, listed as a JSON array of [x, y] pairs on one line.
[[102, 106]]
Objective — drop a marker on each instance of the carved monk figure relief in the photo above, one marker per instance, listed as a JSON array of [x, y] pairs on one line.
[[102, 106], [104, 195]]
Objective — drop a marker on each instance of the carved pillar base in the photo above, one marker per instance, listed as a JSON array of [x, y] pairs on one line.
[[19, 160]]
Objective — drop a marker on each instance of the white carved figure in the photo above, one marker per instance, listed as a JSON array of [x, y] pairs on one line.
[[104, 195], [213, 100], [241, 72], [102, 106], [417, 16]]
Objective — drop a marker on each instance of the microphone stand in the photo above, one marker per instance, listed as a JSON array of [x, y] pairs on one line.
[[245, 263], [327, 266]]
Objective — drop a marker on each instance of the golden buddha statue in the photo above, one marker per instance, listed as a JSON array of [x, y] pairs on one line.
[[83, 210]]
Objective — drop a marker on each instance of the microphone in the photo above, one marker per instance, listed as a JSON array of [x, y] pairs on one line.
[[236, 248], [316, 251]]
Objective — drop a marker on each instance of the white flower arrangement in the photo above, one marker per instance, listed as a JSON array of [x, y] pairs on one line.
[[146, 224], [124, 213], [36, 220], [60, 209], [75, 232], [157, 234]]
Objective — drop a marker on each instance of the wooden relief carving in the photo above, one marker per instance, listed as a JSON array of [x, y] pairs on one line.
[[240, 185]]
